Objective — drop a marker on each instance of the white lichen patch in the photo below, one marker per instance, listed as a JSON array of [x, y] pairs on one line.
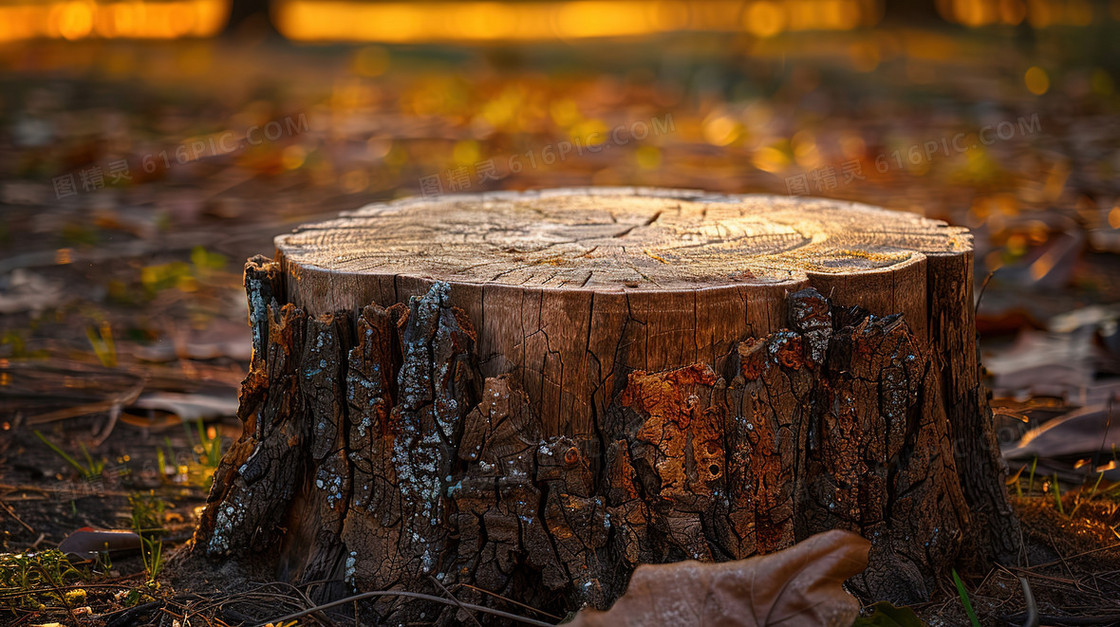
[[351, 566], [230, 516], [426, 415], [258, 313], [331, 484]]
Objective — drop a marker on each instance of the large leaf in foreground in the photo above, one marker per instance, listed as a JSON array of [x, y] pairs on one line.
[[800, 585]]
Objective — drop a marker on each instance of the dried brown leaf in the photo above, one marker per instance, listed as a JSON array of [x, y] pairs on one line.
[[86, 543], [800, 585], [1084, 432]]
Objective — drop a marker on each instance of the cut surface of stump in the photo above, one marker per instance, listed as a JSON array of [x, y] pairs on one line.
[[532, 393]]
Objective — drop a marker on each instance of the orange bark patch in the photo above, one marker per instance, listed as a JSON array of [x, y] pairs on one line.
[[682, 426]]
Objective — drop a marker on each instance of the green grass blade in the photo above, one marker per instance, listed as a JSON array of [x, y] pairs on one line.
[[63, 454], [963, 593]]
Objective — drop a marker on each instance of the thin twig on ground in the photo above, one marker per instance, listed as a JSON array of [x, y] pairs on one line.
[[412, 595]]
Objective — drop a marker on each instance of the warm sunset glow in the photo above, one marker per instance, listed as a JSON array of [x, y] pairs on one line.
[[1038, 13], [324, 20], [765, 18], [79, 19]]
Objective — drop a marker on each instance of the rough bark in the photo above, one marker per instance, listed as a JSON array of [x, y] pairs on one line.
[[533, 393]]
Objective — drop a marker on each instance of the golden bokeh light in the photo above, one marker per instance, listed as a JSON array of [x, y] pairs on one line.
[[80, 19], [488, 20], [1038, 13], [589, 132], [399, 22], [466, 152], [765, 18], [1038, 82], [648, 157], [293, 157], [721, 130], [73, 20], [770, 159]]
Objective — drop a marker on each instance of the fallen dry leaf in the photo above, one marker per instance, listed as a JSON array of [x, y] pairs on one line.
[[25, 291], [220, 338], [191, 407], [87, 542], [1044, 364], [800, 585], [1083, 432]]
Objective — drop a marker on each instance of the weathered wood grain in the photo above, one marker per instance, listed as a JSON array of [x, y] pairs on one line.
[[561, 284]]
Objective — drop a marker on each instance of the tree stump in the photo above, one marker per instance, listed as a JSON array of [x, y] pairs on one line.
[[531, 393]]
